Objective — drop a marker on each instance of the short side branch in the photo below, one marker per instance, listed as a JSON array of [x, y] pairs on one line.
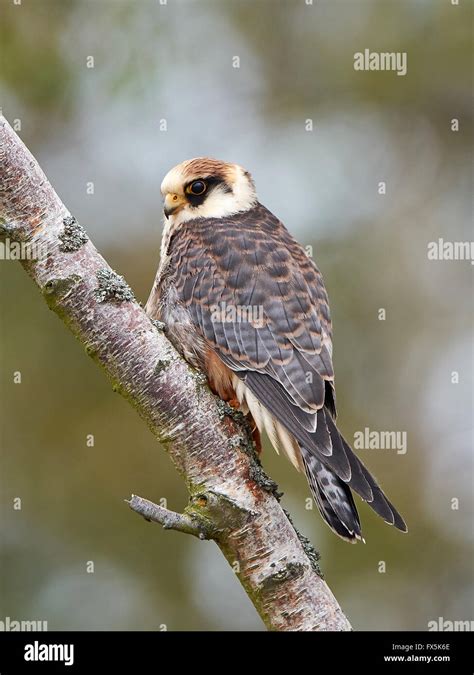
[[170, 520]]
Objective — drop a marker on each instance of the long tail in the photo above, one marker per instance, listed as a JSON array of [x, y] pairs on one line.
[[331, 466], [333, 494]]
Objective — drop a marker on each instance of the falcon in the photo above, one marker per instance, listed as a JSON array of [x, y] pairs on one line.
[[243, 302]]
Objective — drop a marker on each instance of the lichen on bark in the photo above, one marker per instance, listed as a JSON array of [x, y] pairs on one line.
[[112, 286], [73, 235]]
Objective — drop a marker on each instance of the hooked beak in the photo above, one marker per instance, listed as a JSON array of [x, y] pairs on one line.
[[173, 203]]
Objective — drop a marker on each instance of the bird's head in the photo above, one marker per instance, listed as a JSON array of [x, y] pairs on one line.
[[206, 188]]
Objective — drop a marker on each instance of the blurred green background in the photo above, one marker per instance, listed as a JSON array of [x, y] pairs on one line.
[[163, 89]]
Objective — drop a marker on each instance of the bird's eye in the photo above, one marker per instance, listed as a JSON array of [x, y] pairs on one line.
[[197, 187]]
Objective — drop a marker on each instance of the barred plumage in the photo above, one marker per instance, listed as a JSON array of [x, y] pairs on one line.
[[277, 360]]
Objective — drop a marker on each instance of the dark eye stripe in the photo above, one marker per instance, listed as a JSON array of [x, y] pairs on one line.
[[211, 182]]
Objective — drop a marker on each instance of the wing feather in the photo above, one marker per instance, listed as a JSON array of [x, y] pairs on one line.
[[282, 352]]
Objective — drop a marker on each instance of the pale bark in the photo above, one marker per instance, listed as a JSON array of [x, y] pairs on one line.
[[231, 499]]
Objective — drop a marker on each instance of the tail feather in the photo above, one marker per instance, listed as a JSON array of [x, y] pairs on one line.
[[379, 502], [331, 466], [333, 498], [333, 495], [361, 481]]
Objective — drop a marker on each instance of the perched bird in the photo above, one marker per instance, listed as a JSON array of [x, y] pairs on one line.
[[244, 303]]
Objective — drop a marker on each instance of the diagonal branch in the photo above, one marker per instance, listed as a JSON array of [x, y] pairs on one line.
[[232, 501]]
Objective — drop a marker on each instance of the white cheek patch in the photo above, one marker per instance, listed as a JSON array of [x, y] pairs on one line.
[[220, 203]]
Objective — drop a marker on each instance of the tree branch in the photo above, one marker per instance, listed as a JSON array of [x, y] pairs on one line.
[[232, 501], [181, 522]]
